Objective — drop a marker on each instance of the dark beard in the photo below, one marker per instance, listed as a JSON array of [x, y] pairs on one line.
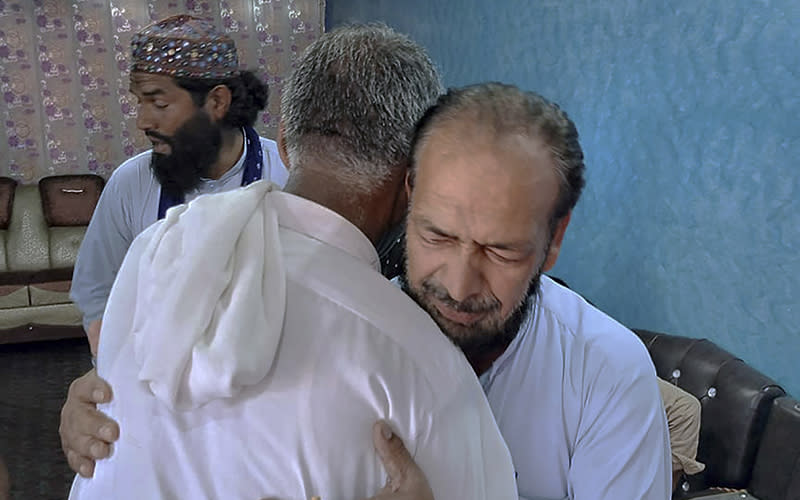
[[479, 341], [194, 148]]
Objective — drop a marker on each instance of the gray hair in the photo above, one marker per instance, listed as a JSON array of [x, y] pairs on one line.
[[503, 110], [354, 99]]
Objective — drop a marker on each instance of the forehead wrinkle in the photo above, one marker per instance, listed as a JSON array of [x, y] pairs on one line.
[[495, 163], [457, 225]]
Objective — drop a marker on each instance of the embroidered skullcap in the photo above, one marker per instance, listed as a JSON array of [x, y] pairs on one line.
[[184, 47]]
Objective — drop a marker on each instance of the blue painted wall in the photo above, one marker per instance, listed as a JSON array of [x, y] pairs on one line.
[[690, 119]]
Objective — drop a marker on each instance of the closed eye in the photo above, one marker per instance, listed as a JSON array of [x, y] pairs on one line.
[[432, 235], [505, 256], [433, 239]]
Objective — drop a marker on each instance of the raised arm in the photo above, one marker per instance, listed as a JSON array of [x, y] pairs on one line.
[[103, 248]]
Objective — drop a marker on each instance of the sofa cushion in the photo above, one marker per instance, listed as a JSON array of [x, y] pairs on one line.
[[735, 400], [13, 296], [7, 187], [776, 475], [54, 314], [69, 200], [64, 245], [54, 292]]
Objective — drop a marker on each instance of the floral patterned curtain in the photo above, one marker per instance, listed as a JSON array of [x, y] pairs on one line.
[[65, 105]]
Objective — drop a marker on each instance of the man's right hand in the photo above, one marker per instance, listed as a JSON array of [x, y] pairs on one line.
[[406, 479], [86, 434]]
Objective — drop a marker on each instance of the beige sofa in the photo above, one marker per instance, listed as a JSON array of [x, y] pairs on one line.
[[41, 228]]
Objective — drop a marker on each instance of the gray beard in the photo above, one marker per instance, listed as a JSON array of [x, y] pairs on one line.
[[479, 342]]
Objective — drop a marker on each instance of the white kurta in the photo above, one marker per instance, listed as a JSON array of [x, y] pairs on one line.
[[576, 397], [350, 348]]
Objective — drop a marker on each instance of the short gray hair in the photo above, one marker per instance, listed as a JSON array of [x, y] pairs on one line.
[[505, 109], [354, 98]]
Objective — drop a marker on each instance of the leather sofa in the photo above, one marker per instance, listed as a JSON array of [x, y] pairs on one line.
[[41, 228], [750, 429], [776, 473]]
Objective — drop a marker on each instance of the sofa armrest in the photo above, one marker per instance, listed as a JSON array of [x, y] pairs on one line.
[[776, 474], [735, 398]]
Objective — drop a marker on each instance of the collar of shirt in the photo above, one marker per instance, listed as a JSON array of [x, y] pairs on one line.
[[322, 224], [504, 359], [210, 185]]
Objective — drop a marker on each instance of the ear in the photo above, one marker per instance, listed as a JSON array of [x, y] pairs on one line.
[[409, 184], [282, 151], [555, 242], [400, 208], [218, 102]]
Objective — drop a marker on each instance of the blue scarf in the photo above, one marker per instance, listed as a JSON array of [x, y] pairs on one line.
[[253, 166]]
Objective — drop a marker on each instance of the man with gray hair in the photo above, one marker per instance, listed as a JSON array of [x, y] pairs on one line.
[[250, 333]]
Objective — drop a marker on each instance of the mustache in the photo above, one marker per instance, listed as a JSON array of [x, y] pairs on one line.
[[160, 137], [472, 305]]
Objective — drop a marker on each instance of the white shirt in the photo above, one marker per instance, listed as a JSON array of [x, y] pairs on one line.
[[128, 205], [350, 348], [576, 397]]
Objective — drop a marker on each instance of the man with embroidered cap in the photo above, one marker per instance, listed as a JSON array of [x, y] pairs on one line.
[[198, 108]]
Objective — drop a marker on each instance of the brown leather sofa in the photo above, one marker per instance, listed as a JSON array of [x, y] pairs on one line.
[[41, 228], [750, 429]]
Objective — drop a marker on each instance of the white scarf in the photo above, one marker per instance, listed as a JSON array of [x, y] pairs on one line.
[[211, 298]]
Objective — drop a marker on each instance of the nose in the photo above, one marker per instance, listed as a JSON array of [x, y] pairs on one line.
[[144, 121], [463, 276]]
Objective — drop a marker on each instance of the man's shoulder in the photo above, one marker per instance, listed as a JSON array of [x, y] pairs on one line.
[[133, 172], [587, 330], [403, 324], [268, 144], [387, 309], [399, 331], [274, 169]]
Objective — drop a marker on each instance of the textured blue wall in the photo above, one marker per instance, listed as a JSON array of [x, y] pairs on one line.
[[689, 114]]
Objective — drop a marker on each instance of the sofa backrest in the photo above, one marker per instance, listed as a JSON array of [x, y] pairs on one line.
[[68, 202], [47, 222], [7, 188], [735, 398], [776, 474]]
